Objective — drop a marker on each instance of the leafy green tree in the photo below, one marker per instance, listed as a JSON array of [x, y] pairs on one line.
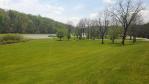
[[69, 34], [69, 29], [1, 23], [60, 35], [114, 32]]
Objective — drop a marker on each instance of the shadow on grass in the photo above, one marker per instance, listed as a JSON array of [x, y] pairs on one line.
[[119, 44]]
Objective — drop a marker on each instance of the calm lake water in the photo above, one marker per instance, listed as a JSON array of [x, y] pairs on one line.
[[38, 36]]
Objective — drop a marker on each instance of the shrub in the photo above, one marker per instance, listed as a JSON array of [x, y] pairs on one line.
[[10, 38]]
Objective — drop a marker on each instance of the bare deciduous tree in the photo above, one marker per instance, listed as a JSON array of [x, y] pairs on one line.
[[81, 28], [93, 29], [125, 11], [103, 25], [88, 26]]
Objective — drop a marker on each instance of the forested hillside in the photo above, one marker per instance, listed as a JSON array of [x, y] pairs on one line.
[[143, 30], [16, 22]]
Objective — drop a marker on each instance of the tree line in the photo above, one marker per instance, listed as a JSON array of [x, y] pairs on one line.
[[121, 20], [15, 22]]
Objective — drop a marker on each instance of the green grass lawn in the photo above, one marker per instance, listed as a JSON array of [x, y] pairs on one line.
[[74, 62]]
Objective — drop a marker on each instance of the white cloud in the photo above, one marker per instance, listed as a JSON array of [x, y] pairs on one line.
[[79, 7], [145, 15], [73, 19], [108, 1], [94, 15]]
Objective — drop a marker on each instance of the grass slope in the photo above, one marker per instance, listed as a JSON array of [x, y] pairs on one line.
[[73, 62]]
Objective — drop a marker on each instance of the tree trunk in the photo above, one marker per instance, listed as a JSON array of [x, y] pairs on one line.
[[134, 39], [88, 36], [130, 37], [77, 36], [113, 40], [124, 38], [102, 40], [124, 34]]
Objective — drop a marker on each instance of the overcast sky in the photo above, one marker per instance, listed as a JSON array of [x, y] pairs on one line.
[[63, 10]]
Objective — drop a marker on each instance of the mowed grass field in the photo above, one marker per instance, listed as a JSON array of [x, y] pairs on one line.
[[74, 62]]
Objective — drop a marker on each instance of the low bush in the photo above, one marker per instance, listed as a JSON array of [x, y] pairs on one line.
[[10, 38]]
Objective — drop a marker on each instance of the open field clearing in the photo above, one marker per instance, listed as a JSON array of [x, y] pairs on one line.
[[74, 62]]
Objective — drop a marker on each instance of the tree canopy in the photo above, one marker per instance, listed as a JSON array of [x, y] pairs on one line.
[[15, 22]]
